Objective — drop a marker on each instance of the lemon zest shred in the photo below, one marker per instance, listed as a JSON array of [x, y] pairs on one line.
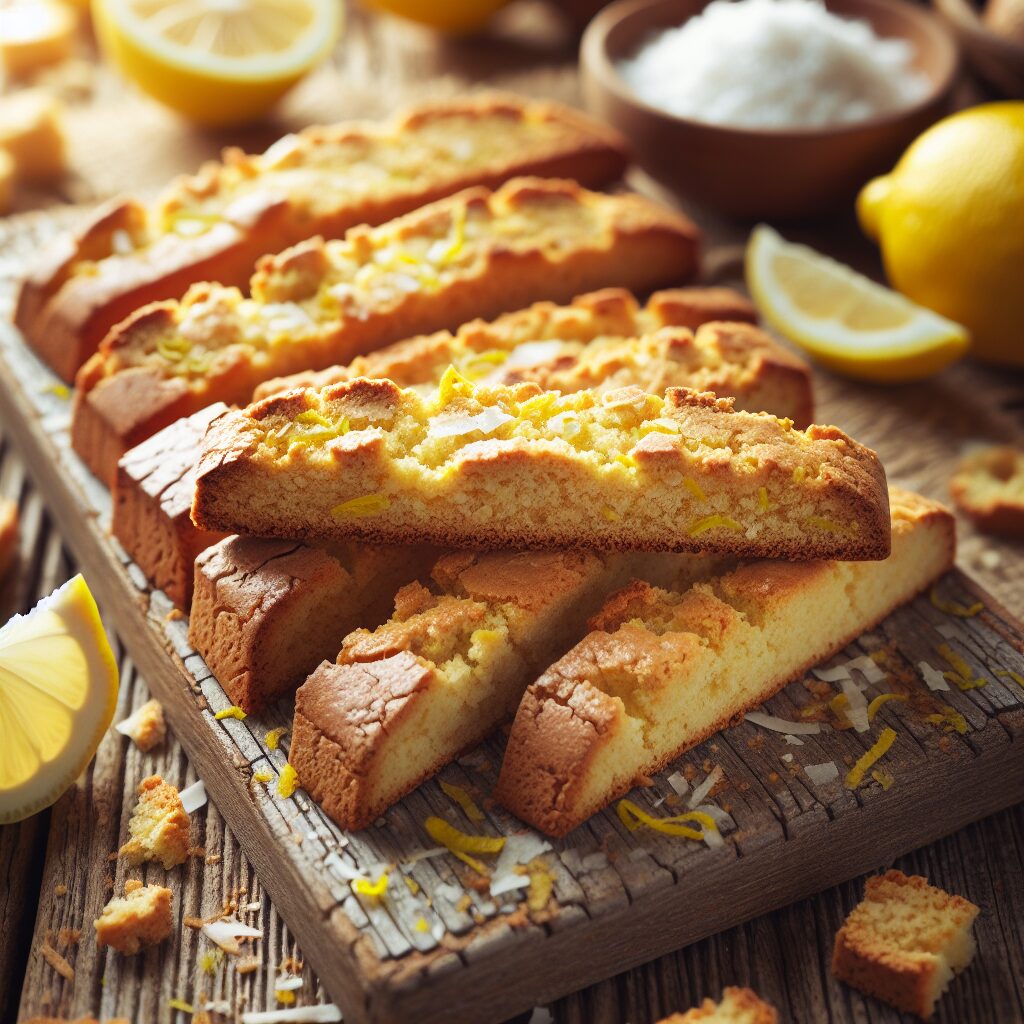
[[462, 845], [288, 781], [633, 817], [961, 675], [626, 460], [361, 507], [961, 611], [695, 489], [262, 776], [412, 885], [1010, 674], [364, 887], [284, 996], [273, 737], [210, 960], [881, 699], [855, 776], [713, 523], [180, 1004], [883, 778], [542, 884], [950, 719], [799, 474], [453, 384], [461, 796], [762, 499], [60, 390], [232, 712], [421, 925], [610, 514], [829, 525]]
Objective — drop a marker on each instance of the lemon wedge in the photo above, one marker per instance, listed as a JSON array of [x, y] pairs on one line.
[[217, 61], [58, 689], [843, 319]]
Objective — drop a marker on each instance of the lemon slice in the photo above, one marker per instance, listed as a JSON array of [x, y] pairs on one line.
[[843, 319], [58, 688], [217, 61]]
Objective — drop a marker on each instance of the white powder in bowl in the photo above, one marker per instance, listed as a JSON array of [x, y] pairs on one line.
[[774, 64]]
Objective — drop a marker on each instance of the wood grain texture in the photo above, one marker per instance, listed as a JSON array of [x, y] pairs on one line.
[[917, 430]]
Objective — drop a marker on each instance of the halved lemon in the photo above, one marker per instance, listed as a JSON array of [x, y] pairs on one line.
[[843, 319], [58, 690], [217, 61]]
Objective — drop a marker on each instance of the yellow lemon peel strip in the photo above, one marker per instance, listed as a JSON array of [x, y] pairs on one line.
[[364, 887], [273, 737], [961, 675], [232, 712], [951, 720], [879, 749], [633, 817], [1009, 674], [542, 883], [462, 845], [881, 699], [961, 611], [288, 781], [461, 796]]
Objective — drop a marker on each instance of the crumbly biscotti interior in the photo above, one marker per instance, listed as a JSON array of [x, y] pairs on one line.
[[450, 664], [905, 942], [517, 466], [663, 670], [602, 340], [737, 1006], [305, 293]]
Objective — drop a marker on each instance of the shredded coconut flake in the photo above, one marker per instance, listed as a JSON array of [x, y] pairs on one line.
[[857, 705], [933, 678], [793, 741], [833, 675], [774, 63], [781, 724], [822, 774], [697, 796], [193, 797], [532, 353], [678, 783], [326, 1013], [518, 850], [872, 673], [227, 932], [455, 426]]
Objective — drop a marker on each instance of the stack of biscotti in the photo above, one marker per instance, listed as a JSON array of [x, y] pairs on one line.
[[402, 700], [600, 337], [325, 180], [478, 253]]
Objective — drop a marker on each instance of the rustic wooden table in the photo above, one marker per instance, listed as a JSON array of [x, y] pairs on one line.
[[55, 868]]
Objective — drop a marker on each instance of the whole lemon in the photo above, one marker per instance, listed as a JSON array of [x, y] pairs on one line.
[[457, 17], [950, 221]]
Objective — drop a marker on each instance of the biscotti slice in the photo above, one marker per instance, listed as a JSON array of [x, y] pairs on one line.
[[215, 225], [602, 339], [267, 612], [476, 254], [664, 670], [152, 502], [517, 467], [453, 661], [158, 827], [142, 917], [988, 487], [738, 1006], [8, 534], [904, 942]]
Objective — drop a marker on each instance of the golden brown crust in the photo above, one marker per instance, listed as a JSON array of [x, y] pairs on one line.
[[127, 256], [152, 501], [903, 941], [701, 477], [266, 612], [617, 706], [475, 254], [737, 1006], [988, 487], [407, 697], [142, 917]]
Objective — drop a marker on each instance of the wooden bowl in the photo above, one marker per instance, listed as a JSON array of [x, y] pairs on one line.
[[992, 57], [761, 173]]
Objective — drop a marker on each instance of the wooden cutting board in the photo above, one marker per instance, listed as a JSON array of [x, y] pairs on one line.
[[442, 950]]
